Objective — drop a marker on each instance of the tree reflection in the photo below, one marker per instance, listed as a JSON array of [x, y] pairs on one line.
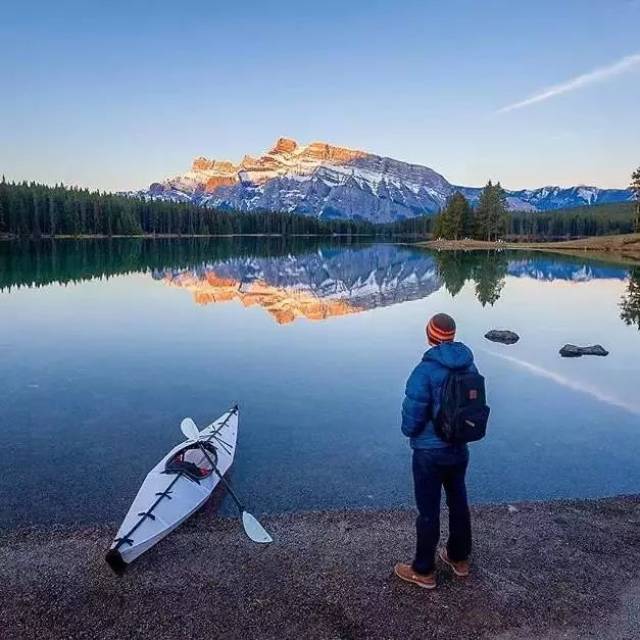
[[38, 263], [489, 274], [488, 270], [630, 304], [455, 268]]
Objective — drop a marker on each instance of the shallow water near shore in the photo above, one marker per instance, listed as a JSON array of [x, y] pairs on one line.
[[106, 345]]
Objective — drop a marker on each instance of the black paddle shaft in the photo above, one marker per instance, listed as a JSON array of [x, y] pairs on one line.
[[222, 479]]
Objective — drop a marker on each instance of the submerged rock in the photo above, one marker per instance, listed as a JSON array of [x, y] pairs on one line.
[[572, 351], [505, 337]]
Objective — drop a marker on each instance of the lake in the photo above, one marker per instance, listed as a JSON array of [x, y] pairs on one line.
[[105, 345]]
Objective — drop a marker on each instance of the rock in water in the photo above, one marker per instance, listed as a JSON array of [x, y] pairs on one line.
[[572, 351], [505, 337]]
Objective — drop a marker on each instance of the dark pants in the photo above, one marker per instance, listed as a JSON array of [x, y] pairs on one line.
[[432, 470]]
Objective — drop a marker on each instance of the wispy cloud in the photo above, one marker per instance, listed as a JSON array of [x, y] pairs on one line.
[[628, 63]]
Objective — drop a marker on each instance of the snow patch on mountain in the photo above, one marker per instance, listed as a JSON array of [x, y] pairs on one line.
[[329, 181]]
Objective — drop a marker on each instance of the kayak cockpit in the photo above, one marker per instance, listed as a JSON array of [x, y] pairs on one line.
[[192, 461]]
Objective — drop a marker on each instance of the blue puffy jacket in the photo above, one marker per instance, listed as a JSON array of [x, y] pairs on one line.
[[424, 392]]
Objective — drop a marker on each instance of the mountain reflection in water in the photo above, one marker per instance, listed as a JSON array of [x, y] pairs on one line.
[[323, 284], [315, 285], [297, 278]]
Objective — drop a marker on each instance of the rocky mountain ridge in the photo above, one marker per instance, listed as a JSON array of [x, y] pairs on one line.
[[330, 181]]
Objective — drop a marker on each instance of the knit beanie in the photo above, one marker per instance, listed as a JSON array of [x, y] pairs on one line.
[[441, 328]]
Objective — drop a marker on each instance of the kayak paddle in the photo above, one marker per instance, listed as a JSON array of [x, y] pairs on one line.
[[254, 530]]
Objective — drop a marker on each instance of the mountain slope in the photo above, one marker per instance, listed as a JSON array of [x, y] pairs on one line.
[[324, 180]]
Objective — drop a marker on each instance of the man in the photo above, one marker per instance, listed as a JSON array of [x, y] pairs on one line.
[[436, 463]]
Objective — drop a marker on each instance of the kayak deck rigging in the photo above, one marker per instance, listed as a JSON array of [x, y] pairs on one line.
[[193, 461]]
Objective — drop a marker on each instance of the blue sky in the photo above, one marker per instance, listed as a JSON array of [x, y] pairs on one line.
[[117, 95]]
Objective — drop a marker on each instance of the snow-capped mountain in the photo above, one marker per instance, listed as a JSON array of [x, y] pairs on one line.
[[335, 182]]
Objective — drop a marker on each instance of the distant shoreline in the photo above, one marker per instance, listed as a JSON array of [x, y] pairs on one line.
[[622, 247], [539, 569], [628, 241], [184, 236]]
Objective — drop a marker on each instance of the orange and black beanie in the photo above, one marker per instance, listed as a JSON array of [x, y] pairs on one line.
[[441, 328]]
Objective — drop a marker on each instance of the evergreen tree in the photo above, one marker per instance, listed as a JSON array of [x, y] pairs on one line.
[[52, 215], [3, 206], [491, 212], [35, 227], [440, 226], [583, 221], [455, 221], [635, 188]]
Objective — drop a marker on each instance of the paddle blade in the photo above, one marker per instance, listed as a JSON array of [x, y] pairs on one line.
[[254, 529], [189, 429]]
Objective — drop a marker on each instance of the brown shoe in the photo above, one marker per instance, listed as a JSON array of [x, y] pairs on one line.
[[406, 572], [460, 568]]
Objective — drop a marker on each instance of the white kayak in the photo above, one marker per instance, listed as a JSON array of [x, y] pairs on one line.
[[175, 488]]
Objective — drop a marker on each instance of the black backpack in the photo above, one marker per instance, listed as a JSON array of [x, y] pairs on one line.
[[464, 413]]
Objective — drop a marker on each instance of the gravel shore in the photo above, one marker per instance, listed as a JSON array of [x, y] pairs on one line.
[[540, 570]]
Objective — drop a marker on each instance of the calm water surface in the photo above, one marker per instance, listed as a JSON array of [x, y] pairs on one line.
[[106, 345]]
